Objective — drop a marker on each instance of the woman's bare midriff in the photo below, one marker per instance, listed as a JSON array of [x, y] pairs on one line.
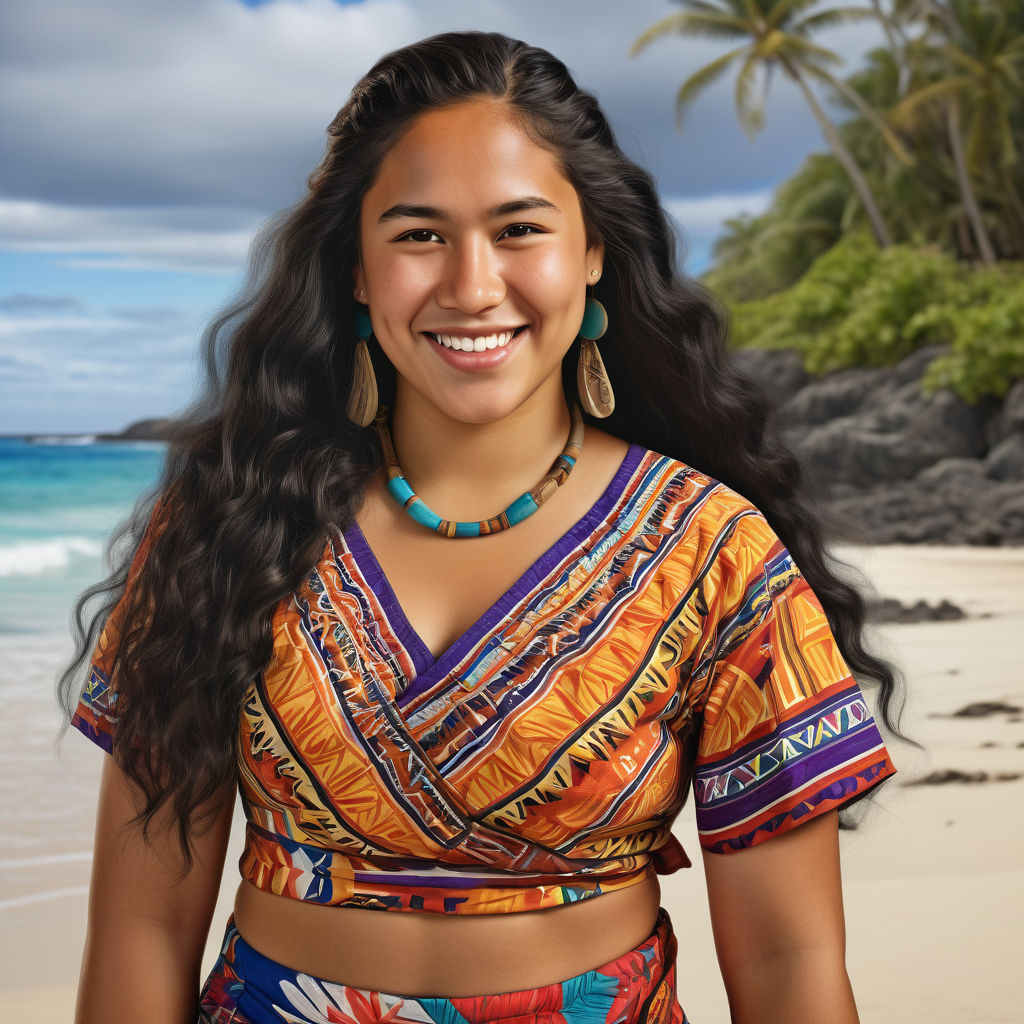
[[431, 954]]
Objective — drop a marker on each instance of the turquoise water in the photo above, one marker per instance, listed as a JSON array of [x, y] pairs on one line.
[[58, 505]]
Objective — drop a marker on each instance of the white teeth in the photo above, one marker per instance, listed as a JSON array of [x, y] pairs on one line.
[[475, 344]]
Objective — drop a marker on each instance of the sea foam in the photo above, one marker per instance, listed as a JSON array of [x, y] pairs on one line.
[[34, 557]]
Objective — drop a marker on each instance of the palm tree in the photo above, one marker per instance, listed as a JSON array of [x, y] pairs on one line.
[[776, 33], [980, 59]]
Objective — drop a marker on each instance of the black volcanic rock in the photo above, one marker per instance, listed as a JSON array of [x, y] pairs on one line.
[[906, 468], [1006, 460], [779, 371]]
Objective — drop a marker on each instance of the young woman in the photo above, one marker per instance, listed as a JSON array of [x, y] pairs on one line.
[[480, 556]]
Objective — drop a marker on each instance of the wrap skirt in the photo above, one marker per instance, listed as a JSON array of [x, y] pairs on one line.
[[246, 987]]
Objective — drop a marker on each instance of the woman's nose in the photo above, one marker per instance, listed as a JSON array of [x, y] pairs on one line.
[[472, 279]]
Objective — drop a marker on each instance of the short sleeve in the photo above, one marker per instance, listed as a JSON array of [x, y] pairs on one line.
[[96, 711], [785, 733]]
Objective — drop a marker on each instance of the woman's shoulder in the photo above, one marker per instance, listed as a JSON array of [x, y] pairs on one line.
[[686, 483]]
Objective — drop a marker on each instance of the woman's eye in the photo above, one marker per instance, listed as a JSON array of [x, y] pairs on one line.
[[519, 230], [420, 235]]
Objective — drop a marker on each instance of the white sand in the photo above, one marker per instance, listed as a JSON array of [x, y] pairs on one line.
[[934, 887]]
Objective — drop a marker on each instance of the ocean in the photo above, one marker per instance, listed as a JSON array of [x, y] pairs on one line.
[[59, 501]]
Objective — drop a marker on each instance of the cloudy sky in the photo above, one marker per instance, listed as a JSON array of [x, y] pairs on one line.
[[143, 141]]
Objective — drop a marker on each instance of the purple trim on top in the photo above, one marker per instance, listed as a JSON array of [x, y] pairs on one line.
[[102, 739], [792, 777], [428, 670], [363, 554]]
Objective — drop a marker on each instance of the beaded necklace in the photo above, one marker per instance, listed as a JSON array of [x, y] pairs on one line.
[[523, 506]]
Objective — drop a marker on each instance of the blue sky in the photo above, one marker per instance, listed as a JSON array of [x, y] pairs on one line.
[[144, 141]]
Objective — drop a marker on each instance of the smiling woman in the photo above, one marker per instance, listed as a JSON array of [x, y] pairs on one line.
[[461, 737]]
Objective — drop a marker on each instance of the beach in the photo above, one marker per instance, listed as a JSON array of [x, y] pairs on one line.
[[934, 877]]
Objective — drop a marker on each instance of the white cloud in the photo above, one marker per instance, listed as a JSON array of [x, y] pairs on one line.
[[127, 238], [92, 369], [706, 213]]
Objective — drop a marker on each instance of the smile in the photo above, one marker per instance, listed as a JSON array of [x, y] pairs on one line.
[[461, 343]]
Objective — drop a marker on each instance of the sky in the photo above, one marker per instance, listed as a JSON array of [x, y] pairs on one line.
[[143, 141]]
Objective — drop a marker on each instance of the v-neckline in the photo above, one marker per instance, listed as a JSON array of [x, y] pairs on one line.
[[430, 669]]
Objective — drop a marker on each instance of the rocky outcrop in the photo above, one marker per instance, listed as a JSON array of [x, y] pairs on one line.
[[143, 430], [902, 467]]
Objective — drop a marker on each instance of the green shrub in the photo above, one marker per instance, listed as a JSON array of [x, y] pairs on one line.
[[905, 280], [987, 351], [861, 306]]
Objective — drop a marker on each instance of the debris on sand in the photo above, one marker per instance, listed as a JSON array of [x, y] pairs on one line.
[[946, 775], [984, 708], [889, 609]]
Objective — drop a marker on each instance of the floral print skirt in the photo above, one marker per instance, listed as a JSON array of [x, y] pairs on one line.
[[246, 987]]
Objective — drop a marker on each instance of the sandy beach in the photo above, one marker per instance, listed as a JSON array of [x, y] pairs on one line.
[[934, 879]]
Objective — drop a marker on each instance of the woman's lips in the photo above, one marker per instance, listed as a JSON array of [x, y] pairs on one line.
[[485, 360]]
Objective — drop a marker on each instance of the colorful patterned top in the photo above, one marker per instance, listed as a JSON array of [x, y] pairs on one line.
[[666, 639]]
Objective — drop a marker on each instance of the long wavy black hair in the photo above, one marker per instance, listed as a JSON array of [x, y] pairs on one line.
[[265, 463]]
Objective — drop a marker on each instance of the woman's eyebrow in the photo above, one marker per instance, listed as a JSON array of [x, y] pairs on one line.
[[433, 213]]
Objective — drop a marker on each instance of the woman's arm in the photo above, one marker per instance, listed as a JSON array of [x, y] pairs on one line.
[[777, 917], [147, 929]]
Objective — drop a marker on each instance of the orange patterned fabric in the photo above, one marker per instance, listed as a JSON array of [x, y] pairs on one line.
[[666, 642]]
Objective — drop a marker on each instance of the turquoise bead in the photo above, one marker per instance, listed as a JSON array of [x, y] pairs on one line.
[[595, 320], [423, 515], [400, 488], [522, 507]]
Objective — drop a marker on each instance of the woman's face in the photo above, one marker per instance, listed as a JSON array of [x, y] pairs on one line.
[[471, 236]]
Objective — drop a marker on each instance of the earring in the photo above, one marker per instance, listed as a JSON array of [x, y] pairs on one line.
[[592, 383], [363, 399]]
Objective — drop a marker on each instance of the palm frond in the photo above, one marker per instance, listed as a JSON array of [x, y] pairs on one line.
[[703, 6], [865, 108], [785, 9], [970, 64], [711, 26], [808, 49], [749, 111], [927, 94], [701, 79], [832, 17]]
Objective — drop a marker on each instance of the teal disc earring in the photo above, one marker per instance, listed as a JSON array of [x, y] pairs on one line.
[[592, 383]]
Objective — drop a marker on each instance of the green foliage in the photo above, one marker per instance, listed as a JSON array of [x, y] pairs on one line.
[[861, 306], [756, 256], [798, 316], [974, 53], [987, 352]]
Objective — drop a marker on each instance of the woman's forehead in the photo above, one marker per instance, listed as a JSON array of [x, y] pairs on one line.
[[467, 158]]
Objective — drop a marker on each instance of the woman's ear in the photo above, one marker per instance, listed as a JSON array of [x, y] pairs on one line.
[[359, 289], [595, 260]]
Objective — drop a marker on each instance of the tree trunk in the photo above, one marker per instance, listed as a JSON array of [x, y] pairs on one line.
[[845, 158], [898, 48], [965, 241], [1016, 208], [985, 249]]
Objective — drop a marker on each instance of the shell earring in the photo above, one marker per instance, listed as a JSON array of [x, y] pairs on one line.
[[363, 398], [592, 383]]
